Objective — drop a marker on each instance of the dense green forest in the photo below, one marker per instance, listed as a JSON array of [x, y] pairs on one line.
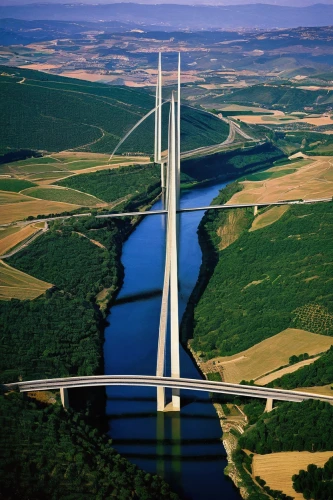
[[111, 185], [50, 113], [284, 97], [49, 453], [302, 426], [318, 373], [209, 243], [263, 283], [232, 164], [61, 333], [316, 482]]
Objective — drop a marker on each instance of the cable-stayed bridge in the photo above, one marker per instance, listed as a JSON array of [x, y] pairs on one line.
[[169, 316]]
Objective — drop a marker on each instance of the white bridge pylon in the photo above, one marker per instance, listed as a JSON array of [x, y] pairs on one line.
[[170, 287]]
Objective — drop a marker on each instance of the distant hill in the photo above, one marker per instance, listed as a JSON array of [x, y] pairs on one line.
[[284, 97], [179, 16], [50, 113]]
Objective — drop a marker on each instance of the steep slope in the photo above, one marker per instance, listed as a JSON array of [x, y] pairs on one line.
[[50, 113]]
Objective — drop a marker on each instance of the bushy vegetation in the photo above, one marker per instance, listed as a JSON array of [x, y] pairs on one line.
[[49, 453], [303, 426], [71, 262], [243, 462], [232, 164], [276, 494], [263, 279], [310, 143], [209, 242], [316, 482], [111, 185], [318, 373], [14, 185], [61, 333]]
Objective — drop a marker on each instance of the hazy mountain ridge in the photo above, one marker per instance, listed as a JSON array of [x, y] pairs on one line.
[[178, 16]]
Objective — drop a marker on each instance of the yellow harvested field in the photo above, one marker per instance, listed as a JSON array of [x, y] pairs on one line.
[[237, 107], [268, 355], [109, 166], [311, 181], [289, 369], [14, 239], [41, 66], [15, 284], [269, 217], [9, 197], [7, 231], [18, 211], [282, 118], [325, 390], [260, 119], [277, 469], [91, 77]]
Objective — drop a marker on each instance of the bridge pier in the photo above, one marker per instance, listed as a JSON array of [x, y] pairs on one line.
[[160, 398], [64, 397], [269, 405], [255, 210]]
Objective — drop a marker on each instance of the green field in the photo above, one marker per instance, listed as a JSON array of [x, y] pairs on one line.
[[53, 114], [293, 282], [110, 185], [14, 185], [65, 195], [263, 176]]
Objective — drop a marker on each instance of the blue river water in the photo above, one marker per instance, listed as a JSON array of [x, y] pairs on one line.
[[184, 448]]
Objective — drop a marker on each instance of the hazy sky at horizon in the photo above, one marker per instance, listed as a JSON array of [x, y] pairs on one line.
[[291, 3]]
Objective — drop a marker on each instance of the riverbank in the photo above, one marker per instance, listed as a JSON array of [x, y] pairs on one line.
[[232, 419]]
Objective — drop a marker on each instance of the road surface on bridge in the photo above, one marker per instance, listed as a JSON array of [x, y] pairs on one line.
[[168, 382]]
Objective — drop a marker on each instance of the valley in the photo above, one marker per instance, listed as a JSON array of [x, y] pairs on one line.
[[256, 127]]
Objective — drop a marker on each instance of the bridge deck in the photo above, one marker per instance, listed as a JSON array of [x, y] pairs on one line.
[[173, 383]]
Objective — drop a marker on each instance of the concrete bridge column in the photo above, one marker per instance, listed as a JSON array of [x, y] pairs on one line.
[[160, 398], [64, 397], [269, 405], [255, 210]]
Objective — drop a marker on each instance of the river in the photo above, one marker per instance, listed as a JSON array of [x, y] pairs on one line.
[[184, 448]]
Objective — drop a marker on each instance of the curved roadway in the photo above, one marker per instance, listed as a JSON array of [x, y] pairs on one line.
[[173, 383]]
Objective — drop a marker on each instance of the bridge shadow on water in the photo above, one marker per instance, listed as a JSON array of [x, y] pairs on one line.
[[185, 447]]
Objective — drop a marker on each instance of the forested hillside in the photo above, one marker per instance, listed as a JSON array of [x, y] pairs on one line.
[[284, 97], [232, 164], [72, 459], [49, 113], [46, 452], [266, 281], [62, 331], [111, 185], [290, 427]]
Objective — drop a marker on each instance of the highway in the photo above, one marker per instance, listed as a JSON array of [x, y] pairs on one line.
[[182, 210], [220, 207], [168, 382]]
